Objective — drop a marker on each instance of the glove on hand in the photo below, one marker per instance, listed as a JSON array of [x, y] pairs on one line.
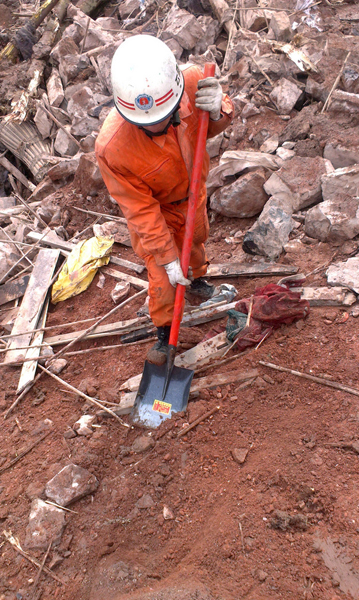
[[209, 97], [175, 273]]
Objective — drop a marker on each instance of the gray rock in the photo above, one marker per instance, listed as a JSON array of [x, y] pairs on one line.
[[64, 169], [345, 273], [271, 231], [142, 444], [249, 110], [271, 144], [281, 26], [88, 175], [213, 145], [145, 501], [183, 27], [84, 127], [104, 60], [55, 90], [333, 220], [211, 29], [65, 46], [71, 65], [129, 8], [43, 122], [302, 177], [46, 524], [243, 198], [64, 145], [175, 47], [58, 365], [239, 455], [341, 183], [285, 95], [285, 153], [341, 156], [71, 484]]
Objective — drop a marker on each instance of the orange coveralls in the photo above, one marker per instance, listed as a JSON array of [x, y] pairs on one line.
[[149, 178]]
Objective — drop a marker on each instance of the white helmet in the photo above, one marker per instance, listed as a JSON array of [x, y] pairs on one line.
[[146, 81]]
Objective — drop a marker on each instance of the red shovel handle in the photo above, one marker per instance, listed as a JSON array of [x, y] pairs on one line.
[[194, 188]]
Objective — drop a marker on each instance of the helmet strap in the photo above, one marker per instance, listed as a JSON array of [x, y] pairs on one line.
[[174, 120]]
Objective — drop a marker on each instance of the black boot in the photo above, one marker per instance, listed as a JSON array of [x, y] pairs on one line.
[[157, 355], [200, 287]]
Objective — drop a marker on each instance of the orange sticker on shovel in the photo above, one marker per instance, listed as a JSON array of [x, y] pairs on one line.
[[161, 407]]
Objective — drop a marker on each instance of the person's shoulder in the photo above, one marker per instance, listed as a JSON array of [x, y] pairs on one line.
[[111, 132]]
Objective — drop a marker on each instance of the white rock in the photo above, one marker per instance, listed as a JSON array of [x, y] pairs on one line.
[[64, 145], [341, 183], [83, 425], [345, 273], [285, 153], [341, 156], [55, 90], [333, 220], [271, 144], [71, 484]]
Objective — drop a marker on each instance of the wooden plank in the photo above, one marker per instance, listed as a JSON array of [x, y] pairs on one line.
[[54, 241], [101, 331], [137, 283], [13, 289], [206, 314], [28, 370], [237, 269], [17, 210], [205, 383], [193, 358], [32, 303]]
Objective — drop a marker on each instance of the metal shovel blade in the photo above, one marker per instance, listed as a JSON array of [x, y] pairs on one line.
[[150, 409]]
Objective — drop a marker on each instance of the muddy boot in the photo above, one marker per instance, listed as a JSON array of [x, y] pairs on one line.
[[201, 288], [157, 355]]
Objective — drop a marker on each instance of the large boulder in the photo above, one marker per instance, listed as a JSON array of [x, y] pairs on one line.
[[243, 198], [334, 220]]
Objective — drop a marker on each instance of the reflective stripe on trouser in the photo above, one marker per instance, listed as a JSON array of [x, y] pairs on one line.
[[161, 292]]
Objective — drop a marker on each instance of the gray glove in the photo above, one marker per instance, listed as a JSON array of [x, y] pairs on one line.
[[209, 97], [175, 273]]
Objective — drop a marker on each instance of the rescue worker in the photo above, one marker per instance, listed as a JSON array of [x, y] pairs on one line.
[[145, 152]]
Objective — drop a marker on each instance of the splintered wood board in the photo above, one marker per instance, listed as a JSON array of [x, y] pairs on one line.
[[101, 331], [13, 289], [54, 241], [237, 269], [32, 303], [135, 281], [193, 358], [28, 370]]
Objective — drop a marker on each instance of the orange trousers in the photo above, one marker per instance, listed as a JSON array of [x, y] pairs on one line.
[[161, 292]]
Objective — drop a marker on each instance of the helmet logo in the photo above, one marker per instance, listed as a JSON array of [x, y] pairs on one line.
[[144, 102]]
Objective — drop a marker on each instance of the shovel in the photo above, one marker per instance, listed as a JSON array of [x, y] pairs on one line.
[[164, 390]]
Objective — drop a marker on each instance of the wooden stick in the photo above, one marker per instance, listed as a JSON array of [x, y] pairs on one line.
[[37, 579], [34, 561], [23, 453], [17, 247], [88, 398], [85, 35], [97, 214], [20, 176], [197, 421], [333, 384], [258, 66], [218, 363], [335, 84], [19, 398], [60, 125], [28, 207]]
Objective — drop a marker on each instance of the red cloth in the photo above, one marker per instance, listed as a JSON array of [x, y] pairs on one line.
[[272, 306]]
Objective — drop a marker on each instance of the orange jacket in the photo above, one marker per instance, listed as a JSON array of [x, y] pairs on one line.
[[142, 174]]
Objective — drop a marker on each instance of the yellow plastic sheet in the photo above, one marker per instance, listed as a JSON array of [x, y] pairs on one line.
[[81, 266]]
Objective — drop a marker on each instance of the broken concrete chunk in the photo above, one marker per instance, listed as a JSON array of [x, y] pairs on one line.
[[71, 484], [345, 273], [64, 145], [88, 176], [129, 8], [175, 47], [333, 220], [142, 444], [46, 524], [243, 198], [271, 231], [239, 455], [66, 46], [183, 27], [43, 122], [285, 95], [281, 26], [271, 144], [213, 145], [341, 184], [341, 156], [54, 88], [70, 66]]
